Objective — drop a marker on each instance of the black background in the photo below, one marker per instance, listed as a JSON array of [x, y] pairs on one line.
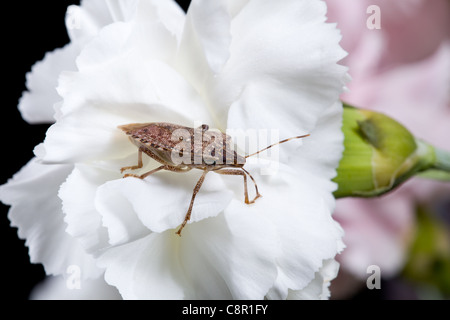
[[30, 29]]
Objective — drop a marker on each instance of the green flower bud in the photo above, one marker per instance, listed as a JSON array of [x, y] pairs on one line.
[[380, 154]]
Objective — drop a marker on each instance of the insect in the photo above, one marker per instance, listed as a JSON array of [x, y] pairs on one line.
[[163, 141]]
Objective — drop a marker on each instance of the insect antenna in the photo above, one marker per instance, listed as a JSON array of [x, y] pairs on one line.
[[273, 145]]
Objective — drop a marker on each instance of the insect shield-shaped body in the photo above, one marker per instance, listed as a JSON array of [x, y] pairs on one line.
[[181, 149]]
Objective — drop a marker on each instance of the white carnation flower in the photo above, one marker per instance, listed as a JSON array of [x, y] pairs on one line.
[[239, 64]]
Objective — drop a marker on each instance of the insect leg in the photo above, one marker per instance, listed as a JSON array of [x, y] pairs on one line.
[[196, 190], [145, 175], [139, 165], [177, 169], [232, 172], [258, 195]]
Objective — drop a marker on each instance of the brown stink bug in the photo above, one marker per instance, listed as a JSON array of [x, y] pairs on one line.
[[167, 143]]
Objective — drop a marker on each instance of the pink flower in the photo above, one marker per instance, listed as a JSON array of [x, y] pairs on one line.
[[401, 70]]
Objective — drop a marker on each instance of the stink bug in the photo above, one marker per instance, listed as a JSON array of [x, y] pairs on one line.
[[164, 142]]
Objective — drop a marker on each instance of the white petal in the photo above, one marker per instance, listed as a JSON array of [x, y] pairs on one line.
[[36, 211], [145, 33], [171, 15], [235, 6], [241, 251], [292, 66], [204, 48], [168, 12], [320, 153], [306, 232], [318, 289], [214, 259], [118, 216], [267, 107], [316, 156], [57, 288], [146, 268], [78, 197], [90, 134], [37, 104], [84, 22], [126, 90], [160, 202]]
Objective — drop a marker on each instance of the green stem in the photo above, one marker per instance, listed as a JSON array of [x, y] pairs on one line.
[[442, 161], [439, 168]]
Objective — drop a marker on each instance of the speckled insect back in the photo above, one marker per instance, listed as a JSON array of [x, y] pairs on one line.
[[203, 146], [181, 149]]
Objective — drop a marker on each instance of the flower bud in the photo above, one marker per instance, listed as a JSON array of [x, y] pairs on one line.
[[380, 154]]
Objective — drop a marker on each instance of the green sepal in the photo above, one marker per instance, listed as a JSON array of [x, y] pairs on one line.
[[380, 154]]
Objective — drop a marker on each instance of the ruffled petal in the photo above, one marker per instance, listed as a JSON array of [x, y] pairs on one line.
[[291, 66], [37, 104], [235, 6], [318, 289], [171, 14], [306, 232], [315, 157], [118, 215], [145, 33], [160, 202], [146, 268], [319, 156], [127, 89], [238, 259], [37, 212], [84, 22], [214, 259], [78, 203], [204, 47]]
